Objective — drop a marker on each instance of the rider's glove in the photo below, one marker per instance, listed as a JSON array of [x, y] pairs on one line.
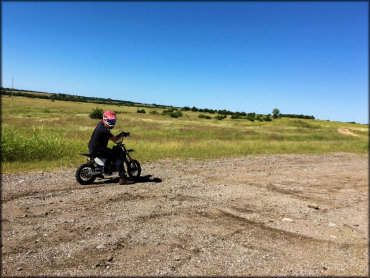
[[125, 134]]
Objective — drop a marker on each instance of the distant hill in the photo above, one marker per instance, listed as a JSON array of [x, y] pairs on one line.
[[68, 97]]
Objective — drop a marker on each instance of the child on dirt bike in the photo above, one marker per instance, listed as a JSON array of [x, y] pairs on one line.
[[99, 142]]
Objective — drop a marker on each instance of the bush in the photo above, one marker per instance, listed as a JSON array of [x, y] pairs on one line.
[[173, 112], [169, 111], [225, 112], [141, 111], [97, 113], [202, 116], [268, 118], [259, 118], [235, 116], [176, 114], [154, 112], [220, 117], [297, 116], [251, 116]]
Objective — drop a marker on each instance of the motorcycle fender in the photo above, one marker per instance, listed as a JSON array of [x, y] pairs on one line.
[[100, 161]]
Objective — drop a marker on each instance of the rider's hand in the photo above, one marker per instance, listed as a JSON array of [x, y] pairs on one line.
[[125, 134]]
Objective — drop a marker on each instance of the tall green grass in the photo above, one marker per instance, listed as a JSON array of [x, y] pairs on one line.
[[35, 145], [40, 134]]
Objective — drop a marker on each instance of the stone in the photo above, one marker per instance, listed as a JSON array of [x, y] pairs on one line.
[[314, 206], [19, 269], [332, 225], [101, 246], [287, 219]]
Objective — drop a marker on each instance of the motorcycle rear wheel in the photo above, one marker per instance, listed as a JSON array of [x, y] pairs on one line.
[[133, 168], [84, 174]]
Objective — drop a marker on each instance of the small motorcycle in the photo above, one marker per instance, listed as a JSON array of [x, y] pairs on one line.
[[100, 167]]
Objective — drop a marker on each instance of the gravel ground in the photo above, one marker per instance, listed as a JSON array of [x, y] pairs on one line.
[[258, 215]]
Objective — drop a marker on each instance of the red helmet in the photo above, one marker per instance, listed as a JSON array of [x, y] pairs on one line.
[[109, 119]]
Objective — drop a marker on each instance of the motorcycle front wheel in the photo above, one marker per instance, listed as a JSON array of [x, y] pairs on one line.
[[133, 168], [84, 174]]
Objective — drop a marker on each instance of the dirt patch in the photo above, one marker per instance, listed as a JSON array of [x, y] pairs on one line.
[[346, 131], [258, 215]]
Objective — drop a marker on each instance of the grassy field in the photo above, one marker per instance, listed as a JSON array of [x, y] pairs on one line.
[[38, 135]]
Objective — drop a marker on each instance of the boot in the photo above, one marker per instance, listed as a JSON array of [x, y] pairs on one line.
[[125, 181]]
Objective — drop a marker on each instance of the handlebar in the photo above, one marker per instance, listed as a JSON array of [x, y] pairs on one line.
[[125, 134]]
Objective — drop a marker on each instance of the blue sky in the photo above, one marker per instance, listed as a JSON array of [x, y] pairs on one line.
[[300, 57]]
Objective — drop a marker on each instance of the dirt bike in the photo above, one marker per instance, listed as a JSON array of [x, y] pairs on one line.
[[100, 167]]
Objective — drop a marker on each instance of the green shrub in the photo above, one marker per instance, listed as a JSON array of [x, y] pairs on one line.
[[202, 116], [96, 113], [220, 117], [154, 112], [268, 118], [251, 117], [173, 112], [169, 111], [235, 116], [141, 111], [176, 114], [259, 118]]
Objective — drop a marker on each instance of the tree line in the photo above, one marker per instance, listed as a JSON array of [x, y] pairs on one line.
[[74, 98], [171, 111]]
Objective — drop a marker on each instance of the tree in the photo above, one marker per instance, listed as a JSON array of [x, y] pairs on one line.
[[275, 113]]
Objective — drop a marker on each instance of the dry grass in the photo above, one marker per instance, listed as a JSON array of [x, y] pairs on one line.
[[41, 134]]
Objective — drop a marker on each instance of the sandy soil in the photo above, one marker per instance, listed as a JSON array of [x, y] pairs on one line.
[[346, 131], [259, 215]]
